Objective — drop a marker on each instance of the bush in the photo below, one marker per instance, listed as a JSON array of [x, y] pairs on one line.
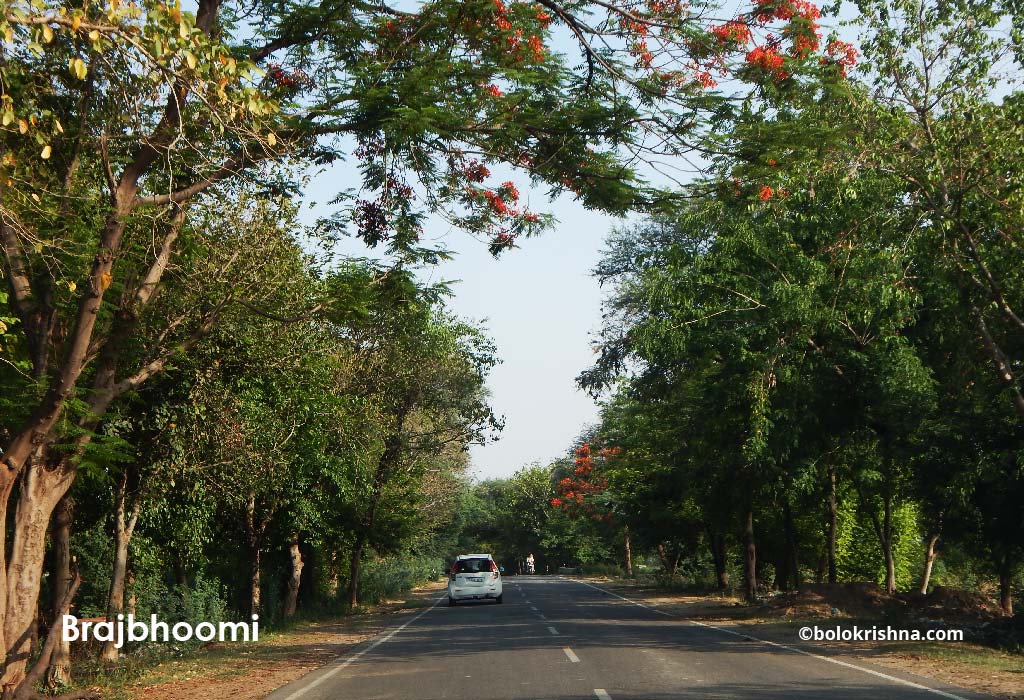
[[602, 569], [387, 576]]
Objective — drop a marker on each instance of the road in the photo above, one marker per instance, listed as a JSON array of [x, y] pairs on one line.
[[560, 639]]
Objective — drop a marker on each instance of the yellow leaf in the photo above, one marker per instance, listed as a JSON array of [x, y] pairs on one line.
[[271, 139], [72, 286], [46, 151], [22, 126], [105, 279], [94, 35], [9, 35], [8, 117], [39, 248], [191, 60], [47, 34], [79, 68], [76, 22], [57, 126]]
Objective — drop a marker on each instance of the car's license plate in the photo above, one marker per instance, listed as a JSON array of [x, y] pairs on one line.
[[476, 579]]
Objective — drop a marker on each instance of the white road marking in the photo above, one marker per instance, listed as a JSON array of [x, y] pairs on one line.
[[552, 630], [541, 616], [534, 609], [602, 694], [745, 635], [568, 652], [355, 657]]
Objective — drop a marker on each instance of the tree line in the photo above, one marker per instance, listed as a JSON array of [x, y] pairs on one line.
[[812, 371]]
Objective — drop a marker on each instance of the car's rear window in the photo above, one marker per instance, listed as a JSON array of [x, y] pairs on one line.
[[472, 566]]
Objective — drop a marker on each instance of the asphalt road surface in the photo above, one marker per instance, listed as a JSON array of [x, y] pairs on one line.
[[559, 639]]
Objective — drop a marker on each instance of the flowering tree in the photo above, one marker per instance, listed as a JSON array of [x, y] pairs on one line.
[[585, 493]]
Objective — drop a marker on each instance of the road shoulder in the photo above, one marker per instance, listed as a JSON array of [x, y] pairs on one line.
[[979, 670]]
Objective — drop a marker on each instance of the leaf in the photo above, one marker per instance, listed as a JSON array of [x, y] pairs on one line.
[[76, 22], [47, 34], [94, 35], [191, 60], [8, 117], [22, 126], [57, 125], [105, 279], [46, 151], [72, 286], [78, 67], [271, 139]]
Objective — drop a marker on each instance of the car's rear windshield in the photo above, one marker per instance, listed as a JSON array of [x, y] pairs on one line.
[[472, 566]]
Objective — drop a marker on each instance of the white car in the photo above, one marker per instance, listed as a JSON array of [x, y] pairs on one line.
[[474, 577]]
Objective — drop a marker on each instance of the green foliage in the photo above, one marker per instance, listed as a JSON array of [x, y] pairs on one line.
[[386, 577]]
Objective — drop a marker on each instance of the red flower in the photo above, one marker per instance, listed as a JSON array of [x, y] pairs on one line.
[[537, 47], [768, 59], [735, 31], [494, 91], [556, 502], [765, 193]]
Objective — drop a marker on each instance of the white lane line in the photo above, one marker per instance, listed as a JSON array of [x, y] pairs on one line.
[[534, 609], [355, 657], [552, 630], [749, 637], [541, 616], [602, 694], [568, 652]]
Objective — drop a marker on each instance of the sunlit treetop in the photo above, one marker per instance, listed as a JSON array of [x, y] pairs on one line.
[[425, 99]]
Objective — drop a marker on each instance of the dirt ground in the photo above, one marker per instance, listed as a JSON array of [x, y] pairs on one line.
[[966, 665], [253, 671]]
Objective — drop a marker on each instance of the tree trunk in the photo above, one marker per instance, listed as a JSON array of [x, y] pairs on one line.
[[1005, 584], [750, 567], [291, 599], [929, 560], [59, 672], [40, 490], [890, 561], [793, 549], [255, 591], [666, 563], [354, 569], [627, 540], [831, 526], [254, 530], [124, 528], [719, 554]]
